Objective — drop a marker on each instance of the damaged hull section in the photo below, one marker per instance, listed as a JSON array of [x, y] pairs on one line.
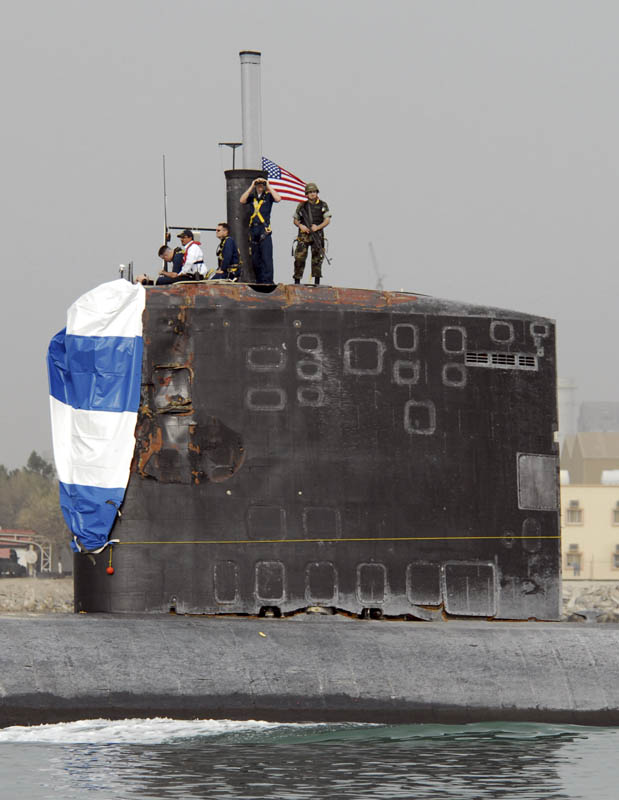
[[364, 451]]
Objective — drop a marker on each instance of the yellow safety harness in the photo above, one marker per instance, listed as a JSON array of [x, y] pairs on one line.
[[257, 206]]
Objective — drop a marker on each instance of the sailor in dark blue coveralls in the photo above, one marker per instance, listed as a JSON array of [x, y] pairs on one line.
[[228, 259], [261, 196], [174, 257]]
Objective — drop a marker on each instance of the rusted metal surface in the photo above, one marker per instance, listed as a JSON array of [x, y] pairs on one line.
[[376, 452], [283, 295]]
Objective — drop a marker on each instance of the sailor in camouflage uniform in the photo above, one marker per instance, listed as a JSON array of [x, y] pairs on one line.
[[311, 218]]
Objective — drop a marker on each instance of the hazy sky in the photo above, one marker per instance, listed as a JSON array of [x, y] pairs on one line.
[[474, 142]]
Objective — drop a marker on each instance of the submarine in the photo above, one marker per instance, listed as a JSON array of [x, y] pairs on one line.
[[339, 505]]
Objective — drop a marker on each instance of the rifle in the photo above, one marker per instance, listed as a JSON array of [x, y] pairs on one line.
[[316, 238]]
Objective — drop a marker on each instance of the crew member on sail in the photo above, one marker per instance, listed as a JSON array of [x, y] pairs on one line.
[[193, 258], [311, 218], [261, 196], [174, 257], [228, 258]]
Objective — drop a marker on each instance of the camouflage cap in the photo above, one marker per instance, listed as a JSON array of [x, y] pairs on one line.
[[310, 187]]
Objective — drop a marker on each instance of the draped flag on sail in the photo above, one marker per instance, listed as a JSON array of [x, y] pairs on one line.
[[95, 367]]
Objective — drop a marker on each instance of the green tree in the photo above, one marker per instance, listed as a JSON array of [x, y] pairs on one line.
[[38, 464], [43, 516], [29, 499]]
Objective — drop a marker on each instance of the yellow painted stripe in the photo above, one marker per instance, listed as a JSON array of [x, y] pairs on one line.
[[363, 539]]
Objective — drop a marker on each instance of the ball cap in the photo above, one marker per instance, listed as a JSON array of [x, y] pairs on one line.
[[186, 232]]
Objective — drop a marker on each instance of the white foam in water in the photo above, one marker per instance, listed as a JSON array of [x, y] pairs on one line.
[[157, 730], [161, 730]]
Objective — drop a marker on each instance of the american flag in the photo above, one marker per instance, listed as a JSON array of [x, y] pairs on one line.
[[288, 185]]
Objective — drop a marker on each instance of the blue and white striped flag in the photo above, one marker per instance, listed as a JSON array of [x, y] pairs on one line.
[[95, 367]]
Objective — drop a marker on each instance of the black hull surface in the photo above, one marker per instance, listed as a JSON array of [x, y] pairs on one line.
[[370, 452]]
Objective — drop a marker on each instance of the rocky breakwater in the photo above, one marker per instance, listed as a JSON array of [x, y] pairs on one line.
[[591, 601], [51, 595]]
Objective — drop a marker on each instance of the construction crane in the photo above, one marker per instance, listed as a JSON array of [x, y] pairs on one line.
[[379, 278]]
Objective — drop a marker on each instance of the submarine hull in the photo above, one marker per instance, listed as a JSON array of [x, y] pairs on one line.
[[371, 452], [286, 670]]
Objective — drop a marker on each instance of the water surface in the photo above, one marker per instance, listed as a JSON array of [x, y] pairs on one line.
[[160, 758]]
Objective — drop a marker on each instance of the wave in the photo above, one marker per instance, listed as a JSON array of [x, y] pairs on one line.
[[156, 730], [162, 730]]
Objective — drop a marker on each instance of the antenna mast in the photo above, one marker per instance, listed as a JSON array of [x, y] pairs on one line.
[[166, 232], [233, 146]]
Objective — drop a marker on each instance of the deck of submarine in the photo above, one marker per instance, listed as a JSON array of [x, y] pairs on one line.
[[306, 668]]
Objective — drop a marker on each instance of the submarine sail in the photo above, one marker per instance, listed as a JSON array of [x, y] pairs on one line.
[[370, 452]]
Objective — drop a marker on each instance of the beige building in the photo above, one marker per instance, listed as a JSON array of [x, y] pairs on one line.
[[586, 455], [590, 531]]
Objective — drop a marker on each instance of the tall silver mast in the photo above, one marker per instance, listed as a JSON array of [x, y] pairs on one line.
[[251, 107]]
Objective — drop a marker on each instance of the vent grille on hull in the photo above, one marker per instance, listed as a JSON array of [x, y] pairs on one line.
[[501, 360]]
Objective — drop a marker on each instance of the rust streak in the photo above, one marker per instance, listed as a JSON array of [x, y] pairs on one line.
[[186, 366], [288, 296], [153, 444], [396, 299]]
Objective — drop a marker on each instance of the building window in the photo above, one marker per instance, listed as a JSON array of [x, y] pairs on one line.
[[573, 559], [616, 514], [573, 513], [616, 557]]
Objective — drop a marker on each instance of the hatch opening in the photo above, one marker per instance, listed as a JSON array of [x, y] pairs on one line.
[[264, 288], [270, 611]]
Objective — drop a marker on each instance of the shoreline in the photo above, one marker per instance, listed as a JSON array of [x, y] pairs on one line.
[[55, 596], [39, 595]]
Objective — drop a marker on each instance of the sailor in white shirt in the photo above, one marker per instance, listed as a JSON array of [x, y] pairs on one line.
[[193, 258]]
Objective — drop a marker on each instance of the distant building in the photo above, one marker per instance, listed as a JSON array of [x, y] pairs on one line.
[[598, 417], [30, 550], [590, 532], [566, 400], [586, 455]]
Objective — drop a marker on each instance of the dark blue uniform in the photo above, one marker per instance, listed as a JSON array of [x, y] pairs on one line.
[[228, 259], [177, 260], [177, 265], [260, 241]]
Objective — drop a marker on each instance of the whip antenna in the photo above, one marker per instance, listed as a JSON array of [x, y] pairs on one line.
[[166, 232]]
